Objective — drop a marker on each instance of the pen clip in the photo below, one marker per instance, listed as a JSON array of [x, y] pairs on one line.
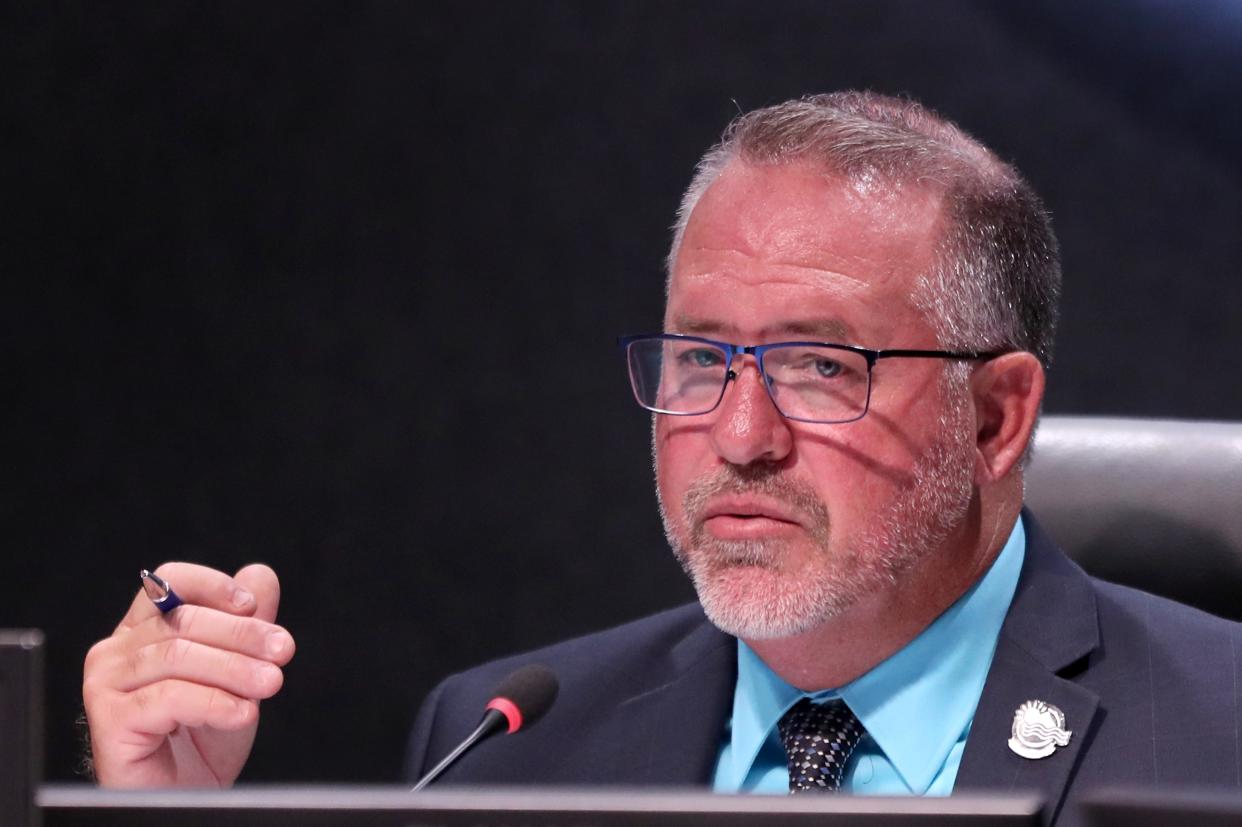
[[159, 592]]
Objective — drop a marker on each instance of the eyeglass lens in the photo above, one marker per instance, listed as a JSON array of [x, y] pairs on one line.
[[809, 382]]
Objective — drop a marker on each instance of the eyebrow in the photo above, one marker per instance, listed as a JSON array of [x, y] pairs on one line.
[[825, 330]]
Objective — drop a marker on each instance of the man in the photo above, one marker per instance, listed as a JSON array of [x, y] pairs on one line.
[[861, 303]]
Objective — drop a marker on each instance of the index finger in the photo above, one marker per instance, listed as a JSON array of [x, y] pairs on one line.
[[195, 584]]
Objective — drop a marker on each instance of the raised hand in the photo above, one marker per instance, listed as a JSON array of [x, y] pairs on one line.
[[173, 700]]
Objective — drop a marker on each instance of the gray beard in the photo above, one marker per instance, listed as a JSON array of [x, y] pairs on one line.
[[913, 524]]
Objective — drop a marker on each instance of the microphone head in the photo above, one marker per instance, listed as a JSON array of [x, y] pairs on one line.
[[525, 695]]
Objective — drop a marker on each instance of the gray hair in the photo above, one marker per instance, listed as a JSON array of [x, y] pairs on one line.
[[997, 277]]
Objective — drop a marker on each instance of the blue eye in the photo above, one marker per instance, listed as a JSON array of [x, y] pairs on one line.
[[810, 364], [828, 368], [703, 357]]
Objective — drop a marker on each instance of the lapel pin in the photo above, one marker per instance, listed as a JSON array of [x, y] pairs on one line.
[[1038, 729]]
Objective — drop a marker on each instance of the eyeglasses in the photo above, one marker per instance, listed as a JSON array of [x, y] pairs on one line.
[[807, 381]]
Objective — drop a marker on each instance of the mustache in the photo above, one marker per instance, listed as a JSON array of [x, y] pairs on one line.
[[760, 480]]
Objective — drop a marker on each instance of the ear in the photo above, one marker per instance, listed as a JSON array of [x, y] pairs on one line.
[[1007, 391]]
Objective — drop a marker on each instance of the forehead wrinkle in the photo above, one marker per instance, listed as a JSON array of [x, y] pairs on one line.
[[790, 273]]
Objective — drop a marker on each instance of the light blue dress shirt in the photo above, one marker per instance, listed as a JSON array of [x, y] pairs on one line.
[[917, 705]]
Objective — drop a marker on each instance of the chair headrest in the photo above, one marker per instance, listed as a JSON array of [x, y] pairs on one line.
[[1152, 503]]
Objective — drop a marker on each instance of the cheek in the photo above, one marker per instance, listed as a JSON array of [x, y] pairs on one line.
[[852, 475], [678, 463]]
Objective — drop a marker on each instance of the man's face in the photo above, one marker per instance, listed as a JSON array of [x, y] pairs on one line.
[[783, 525]]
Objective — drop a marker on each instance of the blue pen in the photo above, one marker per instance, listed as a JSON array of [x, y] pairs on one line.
[[160, 592]]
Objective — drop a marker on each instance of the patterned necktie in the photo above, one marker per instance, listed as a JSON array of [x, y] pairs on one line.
[[819, 739]]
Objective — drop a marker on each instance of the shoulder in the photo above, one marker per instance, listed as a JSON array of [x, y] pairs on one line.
[[1171, 631], [596, 672], [1166, 677], [1132, 648], [655, 637], [1056, 599]]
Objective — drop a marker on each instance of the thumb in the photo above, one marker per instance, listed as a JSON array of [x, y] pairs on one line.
[[262, 582]]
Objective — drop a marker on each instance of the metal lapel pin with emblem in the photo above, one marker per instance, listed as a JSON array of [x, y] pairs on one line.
[[1038, 729]]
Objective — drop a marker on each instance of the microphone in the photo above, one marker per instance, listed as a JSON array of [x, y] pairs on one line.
[[519, 701]]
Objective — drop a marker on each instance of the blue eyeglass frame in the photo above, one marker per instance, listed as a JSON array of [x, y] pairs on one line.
[[758, 351]]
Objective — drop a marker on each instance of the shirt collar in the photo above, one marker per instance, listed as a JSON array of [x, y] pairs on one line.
[[917, 703]]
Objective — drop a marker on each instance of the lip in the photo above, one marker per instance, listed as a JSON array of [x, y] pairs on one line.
[[748, 518], [750, 507]]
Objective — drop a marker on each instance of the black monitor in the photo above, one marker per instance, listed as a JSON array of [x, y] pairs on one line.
[[21, 724], [74, 805], [1157, 807]]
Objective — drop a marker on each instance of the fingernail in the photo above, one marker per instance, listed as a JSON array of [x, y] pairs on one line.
[[267, 673], [278, 643], [242, 599]]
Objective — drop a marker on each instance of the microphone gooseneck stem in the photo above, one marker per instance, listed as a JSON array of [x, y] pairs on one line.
[[493, 721]]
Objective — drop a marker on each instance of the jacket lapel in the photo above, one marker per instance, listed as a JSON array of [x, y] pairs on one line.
[[1051, 626]]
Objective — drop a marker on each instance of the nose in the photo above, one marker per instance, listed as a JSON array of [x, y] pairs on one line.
[[748, 427]]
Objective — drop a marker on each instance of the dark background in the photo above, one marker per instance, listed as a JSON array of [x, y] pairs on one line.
[[334, 286]]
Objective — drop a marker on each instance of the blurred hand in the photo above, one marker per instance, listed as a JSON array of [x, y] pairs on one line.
[[173, 700]]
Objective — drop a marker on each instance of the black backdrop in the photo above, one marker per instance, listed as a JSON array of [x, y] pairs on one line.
[[334, 286]]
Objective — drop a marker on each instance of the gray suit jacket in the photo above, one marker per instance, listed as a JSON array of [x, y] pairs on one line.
[[1149, 688]]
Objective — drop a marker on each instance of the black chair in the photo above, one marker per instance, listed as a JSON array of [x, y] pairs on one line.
[[1151, 503]]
